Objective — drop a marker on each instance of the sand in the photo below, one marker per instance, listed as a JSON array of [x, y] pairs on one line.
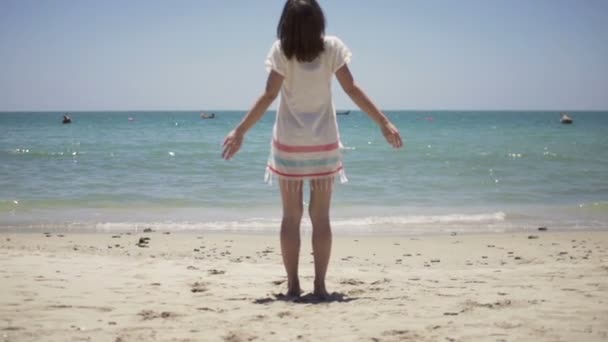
[[221, 287]]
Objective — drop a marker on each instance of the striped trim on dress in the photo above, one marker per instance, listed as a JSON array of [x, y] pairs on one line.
[[305, 162]]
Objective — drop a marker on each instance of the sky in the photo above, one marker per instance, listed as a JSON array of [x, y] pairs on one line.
[[60, 55]]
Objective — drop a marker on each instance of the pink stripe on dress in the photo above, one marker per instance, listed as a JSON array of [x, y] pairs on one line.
[[304, 174], [315, 148]]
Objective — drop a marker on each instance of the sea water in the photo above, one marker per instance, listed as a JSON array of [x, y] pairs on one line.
[[460, 171]]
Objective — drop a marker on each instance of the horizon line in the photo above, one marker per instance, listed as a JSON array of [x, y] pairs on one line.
[[274, 110]]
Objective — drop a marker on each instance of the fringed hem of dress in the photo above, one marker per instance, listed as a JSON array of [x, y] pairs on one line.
[[272, 173]]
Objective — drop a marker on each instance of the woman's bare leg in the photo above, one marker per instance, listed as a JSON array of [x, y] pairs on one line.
[[320, 200], [291, 194]]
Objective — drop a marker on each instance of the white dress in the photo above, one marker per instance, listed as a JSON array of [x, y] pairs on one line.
[[305, 139]]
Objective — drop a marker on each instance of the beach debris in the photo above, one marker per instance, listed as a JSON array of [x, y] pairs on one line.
[[215, 272], [530, 237], [453, 234], [148, 230], [115, 236], [435, 260], [143, 242], [542, 229], [192, 267], [166, 233]]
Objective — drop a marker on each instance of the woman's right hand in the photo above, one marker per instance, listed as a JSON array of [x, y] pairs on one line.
[[391, 134], [232, 144]]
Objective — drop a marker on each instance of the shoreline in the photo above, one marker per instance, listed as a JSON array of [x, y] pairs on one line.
[[208, 286], [421, 230]]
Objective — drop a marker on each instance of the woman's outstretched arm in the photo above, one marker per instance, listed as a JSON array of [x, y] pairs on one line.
[[234, 139], [346, 80]]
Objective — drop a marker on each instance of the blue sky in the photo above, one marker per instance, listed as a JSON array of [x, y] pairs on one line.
[[209, 54]]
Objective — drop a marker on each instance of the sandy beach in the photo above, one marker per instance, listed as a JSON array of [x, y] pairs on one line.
[[532, 286]]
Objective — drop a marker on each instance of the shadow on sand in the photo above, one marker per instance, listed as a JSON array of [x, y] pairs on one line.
[[308, 298]]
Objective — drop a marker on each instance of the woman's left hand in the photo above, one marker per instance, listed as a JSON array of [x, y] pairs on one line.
[[232, 144], [391, 134]]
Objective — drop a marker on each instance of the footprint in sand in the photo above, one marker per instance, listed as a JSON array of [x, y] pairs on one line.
[[353, 282], [284, 314], [238, 337], [150, 314], [403, 335], [95, 308], [198, 287]]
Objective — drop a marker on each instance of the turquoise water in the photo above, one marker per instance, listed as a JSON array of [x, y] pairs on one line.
[[459, 171]]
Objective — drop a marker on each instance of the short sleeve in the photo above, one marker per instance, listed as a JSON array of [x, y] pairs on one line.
[[276, 60], [340, 53]]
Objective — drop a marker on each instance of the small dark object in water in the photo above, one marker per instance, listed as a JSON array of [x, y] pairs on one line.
[[66, 120], [207, 116], [542, 229], [343, 113], [565, 119]]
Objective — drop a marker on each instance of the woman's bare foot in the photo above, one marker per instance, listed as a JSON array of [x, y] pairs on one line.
[[293, 293], [321, 292], [293, 289]]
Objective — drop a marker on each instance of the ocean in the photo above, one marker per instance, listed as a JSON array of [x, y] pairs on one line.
[[460, 171]]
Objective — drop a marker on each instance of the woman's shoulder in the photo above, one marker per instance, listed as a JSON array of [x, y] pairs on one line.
[[332, 41], [276, 45]]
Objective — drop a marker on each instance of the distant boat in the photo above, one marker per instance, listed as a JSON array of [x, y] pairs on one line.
[[565, 119], [207, 116], [66, 120], [343, 113]]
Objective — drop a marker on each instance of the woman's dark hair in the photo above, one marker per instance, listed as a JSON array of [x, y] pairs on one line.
[[301, 30]]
